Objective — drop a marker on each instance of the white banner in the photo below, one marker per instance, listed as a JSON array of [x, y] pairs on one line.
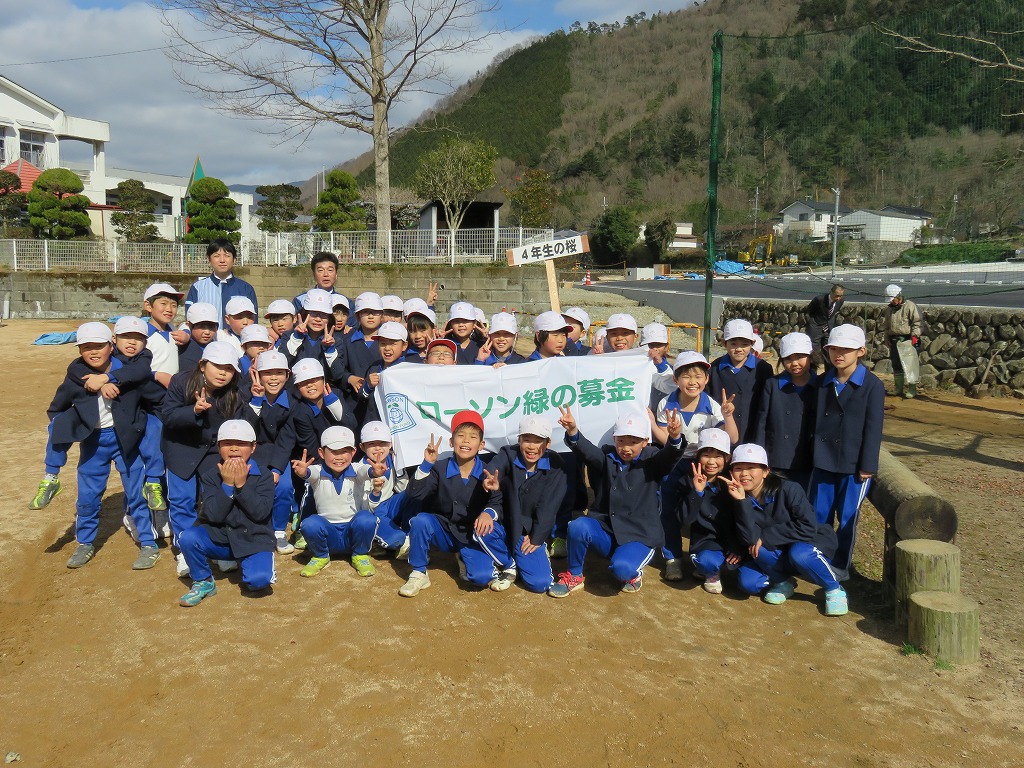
[[419, 400]]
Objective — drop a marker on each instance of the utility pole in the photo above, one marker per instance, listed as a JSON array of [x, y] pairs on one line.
[[757, 207], [835, 231], [717, 46]]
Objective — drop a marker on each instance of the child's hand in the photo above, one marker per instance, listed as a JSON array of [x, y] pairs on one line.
[[327, 388], [732, 559], [491, 482], [300, 327], [378, 486], [700, 480], [755, 548], [234, 471], [301, 466], [655, 354], [257, 386], [328, 339], [728, 407], [430, 452], [380, 468], [276, 475], [498, 365], [528, 547], [432, 293], [346, 330], [484, 524], [110, 391], [274, 335], [735, 489], [374, 379], [674, 422], [567, 421], [356, 382], [862, 476], [485, 351], [181, 337], [202, 404], [94, 381], [597, 349]]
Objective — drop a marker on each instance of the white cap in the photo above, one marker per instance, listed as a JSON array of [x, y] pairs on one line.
[[712, 437], [632, 424], [94, 333], [462, 310], [550, 321], [795, 344], [654, 333], [338, 299], [426, 312], [535, 425], [579, 315], [415, 306], [750, 453], [201, 312], [271, 360], [892, 291], [236, 429], [221, 353], [393, 303], [239, 305], [758, 343], [157, 288], [278, 307], [846, 337], [621, 320], [503, 321], [307, 368], [337, 438], [374, 431], [392, 330], [369, 300], [738, 329], [318, 300], [131, 324], [254, 333], [479, 316], [689, 357]]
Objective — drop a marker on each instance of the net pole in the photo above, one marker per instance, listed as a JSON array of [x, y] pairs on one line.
[[717, 43]]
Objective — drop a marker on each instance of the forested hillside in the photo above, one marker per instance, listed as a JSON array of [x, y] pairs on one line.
[[814, 97]]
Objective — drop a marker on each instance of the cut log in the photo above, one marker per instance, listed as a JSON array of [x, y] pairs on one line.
[[922, 564], [945, 626]]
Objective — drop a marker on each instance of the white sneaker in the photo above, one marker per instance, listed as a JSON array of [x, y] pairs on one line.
[[162, 524], [226, 566], [674, 569], [417, 580], [503, 580], [180, 566], [284, 547], [403, 551], [713, 584], [129, 525]]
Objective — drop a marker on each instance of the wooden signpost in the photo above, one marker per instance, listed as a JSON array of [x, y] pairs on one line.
[[548, 251]]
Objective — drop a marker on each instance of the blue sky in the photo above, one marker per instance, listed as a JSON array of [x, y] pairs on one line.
[[156, 125]]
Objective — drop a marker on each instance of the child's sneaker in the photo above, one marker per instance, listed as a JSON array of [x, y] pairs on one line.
[[779, 593], [129, 525], [503, 580], [226, 566], [363, 565], [162, 524], [314, 566], [377, 549], [180, 566], [48, 489], [403, 551], [299, 541], [147, 559], [417, 580], [462, 568], [634, 585], [83, 554], [566, 583], [835, 602], [200, 591], [284, 547], [713, 584], [153, 493], [558, 547], [674, 569]]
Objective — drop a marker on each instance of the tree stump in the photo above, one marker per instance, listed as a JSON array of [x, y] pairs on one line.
[[923, 564], [945, 626]]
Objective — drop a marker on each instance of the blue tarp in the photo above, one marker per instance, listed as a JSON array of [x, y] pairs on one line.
[[729, 268], [57, 337]]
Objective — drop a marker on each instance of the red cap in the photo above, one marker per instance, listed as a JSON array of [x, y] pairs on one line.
[[467, 417], [444, 343]]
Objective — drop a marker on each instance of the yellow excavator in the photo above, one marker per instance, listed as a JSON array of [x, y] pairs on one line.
[[759, 251]]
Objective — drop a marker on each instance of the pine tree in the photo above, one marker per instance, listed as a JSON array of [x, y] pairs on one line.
[[336, 210], [55, 206], [211, 213], [134, 222]]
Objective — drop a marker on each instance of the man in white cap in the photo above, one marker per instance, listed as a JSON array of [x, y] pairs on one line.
[[221, 285], [901, 323]]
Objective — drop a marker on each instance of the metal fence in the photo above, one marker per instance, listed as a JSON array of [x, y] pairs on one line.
[[417, 246]]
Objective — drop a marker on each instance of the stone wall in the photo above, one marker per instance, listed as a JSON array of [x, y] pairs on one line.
[[874, 251], [956, 343]]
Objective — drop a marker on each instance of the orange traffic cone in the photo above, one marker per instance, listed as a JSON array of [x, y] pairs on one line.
[[586, 280]]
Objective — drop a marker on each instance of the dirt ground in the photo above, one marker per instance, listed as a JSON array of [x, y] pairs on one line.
[[100, 667]]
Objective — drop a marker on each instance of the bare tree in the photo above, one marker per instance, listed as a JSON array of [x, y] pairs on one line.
[[303, 63]]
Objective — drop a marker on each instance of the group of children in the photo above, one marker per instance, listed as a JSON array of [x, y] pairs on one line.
[[227, 433]]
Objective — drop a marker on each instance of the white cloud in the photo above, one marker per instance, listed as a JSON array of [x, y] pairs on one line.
[[614, 10]]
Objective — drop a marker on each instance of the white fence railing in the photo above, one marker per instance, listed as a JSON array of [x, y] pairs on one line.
[[416, 246]]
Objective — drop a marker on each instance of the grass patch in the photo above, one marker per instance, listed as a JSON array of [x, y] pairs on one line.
[[954, 253], [909, 649], [943, 666]]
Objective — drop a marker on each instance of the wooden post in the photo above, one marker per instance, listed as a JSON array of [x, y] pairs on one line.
[[556, 304], [922, 564], [945, 626]]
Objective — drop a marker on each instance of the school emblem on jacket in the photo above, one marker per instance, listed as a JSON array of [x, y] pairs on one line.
[[399, 414]]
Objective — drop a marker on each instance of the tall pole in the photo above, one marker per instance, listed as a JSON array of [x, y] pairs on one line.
[[835, 231], [717, 43]]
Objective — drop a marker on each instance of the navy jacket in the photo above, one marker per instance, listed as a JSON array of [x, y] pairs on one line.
[[188, 437], [576, 349], [820, 321], [366, 408], [786, 517], [275, 429], [530, 503], [710, 518], [217, 292], [626, 501], [848, 426], [457, 503], [311, 348], [359, 355], [514, 358], [747, 384], [74, 412], [239, 519], [465, 355], [138, 371], [310, 422], [785, 422], [190, 355]]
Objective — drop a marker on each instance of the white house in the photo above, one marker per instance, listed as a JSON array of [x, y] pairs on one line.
[[881, 225], [42, 134], [809, 220], [684, 238]]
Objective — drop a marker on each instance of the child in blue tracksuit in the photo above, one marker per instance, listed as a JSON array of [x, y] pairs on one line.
[[785, 418], [462, 510], [533, 483], [847, 439], [339, 525], [624, 522], [499, 348], [386, 496], [271, 411], [237, 498], [741, 375], [195, 406], [109, 425], [776, 524]]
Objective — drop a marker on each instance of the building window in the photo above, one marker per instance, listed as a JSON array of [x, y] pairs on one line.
[[3, 147], [32, 147], [805, 217], [817, 217]]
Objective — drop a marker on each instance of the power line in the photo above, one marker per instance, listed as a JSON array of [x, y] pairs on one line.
[[109, 55]]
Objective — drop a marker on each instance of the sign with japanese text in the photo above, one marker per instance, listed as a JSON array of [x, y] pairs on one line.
[[535, 253], [417, 401]]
